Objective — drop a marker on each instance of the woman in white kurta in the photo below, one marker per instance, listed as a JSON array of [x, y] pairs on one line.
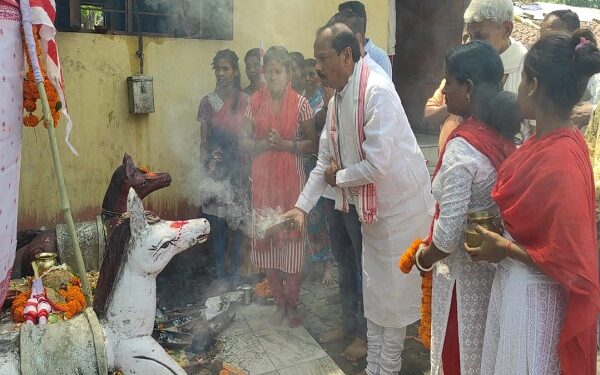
[[463, 180], [545, 298]]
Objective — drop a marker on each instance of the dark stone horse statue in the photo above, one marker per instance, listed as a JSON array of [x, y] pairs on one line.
[[126, 176]]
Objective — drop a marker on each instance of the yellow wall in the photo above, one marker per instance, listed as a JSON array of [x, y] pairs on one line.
[[95, 71]]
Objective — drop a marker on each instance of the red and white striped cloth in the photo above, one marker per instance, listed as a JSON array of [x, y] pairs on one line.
[[365, 197]]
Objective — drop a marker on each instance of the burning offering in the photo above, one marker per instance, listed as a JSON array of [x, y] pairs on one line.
[[269, 222]]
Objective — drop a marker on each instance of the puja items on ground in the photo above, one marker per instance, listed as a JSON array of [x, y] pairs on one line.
[[54, 296], [270, 221], [406, 263], [262, 289]]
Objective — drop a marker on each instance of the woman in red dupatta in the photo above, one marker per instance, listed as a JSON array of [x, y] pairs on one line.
[[462, 183], [279, 131], [226, 200], [545, 297]]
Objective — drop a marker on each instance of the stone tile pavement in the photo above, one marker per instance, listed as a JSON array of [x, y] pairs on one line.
[[253, 344]]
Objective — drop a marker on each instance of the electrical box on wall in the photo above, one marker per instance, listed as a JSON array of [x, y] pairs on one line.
[[141, 94]]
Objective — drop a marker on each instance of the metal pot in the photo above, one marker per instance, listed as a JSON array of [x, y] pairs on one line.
[[45, 261], [247, 296], [486, 219]]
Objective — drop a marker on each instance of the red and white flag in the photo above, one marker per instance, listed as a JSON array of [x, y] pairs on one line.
[[43, 13]]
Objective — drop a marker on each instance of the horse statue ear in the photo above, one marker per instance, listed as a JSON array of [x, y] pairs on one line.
[[129, 166], [137, 217]]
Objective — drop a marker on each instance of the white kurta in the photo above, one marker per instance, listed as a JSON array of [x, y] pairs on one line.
[[395, 164], [11, 128], [462, 185], [524, 322]]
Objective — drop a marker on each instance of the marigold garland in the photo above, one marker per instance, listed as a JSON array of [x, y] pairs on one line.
[[75, 301], [30, 91], [406, 263]]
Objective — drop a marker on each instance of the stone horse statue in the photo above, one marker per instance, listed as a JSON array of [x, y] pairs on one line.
[[126, 176], [124, 306]]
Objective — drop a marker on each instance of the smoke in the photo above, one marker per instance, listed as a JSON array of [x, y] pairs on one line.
[[191, 18]]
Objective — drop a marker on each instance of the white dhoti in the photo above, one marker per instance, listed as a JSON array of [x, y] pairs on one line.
[[384, 356], [392, 299], [11, 126]]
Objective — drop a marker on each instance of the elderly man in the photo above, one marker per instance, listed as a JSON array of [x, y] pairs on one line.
[[491, 21], [369, 155]]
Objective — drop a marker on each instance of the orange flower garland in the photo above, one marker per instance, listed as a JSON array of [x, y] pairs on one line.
[[406, 263], [18, 306], [30, 91], [75, 301]]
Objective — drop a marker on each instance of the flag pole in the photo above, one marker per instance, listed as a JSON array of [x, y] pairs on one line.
[[49, 122]]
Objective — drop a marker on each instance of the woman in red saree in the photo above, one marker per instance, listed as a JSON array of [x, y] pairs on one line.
[[226, 197], [545, 296], [279, 131]]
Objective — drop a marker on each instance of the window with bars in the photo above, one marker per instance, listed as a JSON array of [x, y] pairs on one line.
[[202, 19]]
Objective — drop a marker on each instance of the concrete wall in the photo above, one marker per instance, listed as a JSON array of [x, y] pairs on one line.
[[95, 70]]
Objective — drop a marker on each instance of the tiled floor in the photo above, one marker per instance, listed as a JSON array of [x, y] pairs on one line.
[[254, 345]]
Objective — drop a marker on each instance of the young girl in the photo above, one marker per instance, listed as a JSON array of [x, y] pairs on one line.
[[279, 130], [221, 115]]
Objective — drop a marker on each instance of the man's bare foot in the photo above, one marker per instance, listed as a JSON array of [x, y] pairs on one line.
[[294, 318], [356, 351], [327, 274], [277, 317], [336, 334]]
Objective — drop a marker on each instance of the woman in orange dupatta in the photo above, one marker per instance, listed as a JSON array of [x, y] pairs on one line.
[[545, 297], [279, 131]]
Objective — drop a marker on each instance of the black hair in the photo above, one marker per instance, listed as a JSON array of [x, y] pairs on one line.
[[254, 52], [278, 54], [309, 63], [233, 60], [569, 18], [341, 39], [356, 7], [350, 19], [298, 58], [562, 65], [504, 113], [480, 63]]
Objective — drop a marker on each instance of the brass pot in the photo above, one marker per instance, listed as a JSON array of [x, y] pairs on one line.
[[486, 219], [45, 261]]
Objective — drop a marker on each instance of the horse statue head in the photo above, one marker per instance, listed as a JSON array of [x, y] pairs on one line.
[[140, 247], [127, 176]]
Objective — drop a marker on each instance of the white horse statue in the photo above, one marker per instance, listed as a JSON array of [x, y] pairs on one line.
[[125, 303]]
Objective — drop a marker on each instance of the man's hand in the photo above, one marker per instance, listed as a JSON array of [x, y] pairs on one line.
[[298, 216], [330, 173]]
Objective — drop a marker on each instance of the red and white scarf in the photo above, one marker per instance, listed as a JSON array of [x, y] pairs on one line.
[[365, 197]]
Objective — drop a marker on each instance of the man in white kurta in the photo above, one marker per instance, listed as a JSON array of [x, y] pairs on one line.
[[395, 165]]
